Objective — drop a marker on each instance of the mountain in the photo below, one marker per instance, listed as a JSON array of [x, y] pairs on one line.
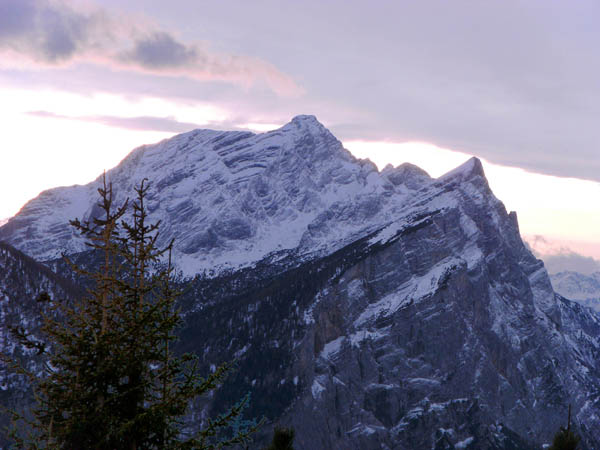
[[584, 289], [232, 198], [22, 280], [366, 309]]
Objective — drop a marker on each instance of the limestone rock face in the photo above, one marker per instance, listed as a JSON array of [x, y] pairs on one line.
[[415, 347], [366, 309], [438, 330]]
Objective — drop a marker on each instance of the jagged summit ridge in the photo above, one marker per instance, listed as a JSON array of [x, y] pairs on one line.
[[232, 198], [306, 121], [470, 168]]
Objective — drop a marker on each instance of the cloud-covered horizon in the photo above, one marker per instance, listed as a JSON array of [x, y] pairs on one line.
[[573, 262], [558, 257], [52, 33]]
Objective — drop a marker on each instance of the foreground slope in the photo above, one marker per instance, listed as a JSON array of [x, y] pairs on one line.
[[22, 280], [367, 309]]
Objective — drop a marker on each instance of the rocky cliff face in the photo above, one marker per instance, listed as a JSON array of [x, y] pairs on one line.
[[366, 309], [440, 330], [421, 347]]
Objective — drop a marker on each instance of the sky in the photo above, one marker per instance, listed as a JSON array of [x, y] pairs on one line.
[[515, 83]]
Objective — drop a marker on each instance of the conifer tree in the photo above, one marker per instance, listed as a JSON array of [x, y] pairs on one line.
[[283, 439], [112, 380], [565, 439]]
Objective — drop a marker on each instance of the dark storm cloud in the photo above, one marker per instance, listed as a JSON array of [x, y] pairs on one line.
[[143, 123]]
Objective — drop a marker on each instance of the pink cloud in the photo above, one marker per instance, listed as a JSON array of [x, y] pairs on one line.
[[53, 33]]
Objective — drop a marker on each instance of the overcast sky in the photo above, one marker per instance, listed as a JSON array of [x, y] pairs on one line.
[[513, 82]]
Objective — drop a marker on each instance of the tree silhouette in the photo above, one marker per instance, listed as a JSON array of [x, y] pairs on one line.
[[565, 439], [283, 439], [111, 379]]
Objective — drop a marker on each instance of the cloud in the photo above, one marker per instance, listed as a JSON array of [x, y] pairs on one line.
[[558, 257], [572, 262], [447, 73], [160, 50], [166, 124], [142, 123], [16, 17], [513, 82], [53, 33], [49, 32], [48, 114], [163, 124]]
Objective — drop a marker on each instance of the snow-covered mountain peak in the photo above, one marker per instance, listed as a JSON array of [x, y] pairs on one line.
[[233, 198], [406, 173], [306, 121], [304, 124], [469, 169]]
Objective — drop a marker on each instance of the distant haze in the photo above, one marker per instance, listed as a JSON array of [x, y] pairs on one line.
[[559, 257]]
